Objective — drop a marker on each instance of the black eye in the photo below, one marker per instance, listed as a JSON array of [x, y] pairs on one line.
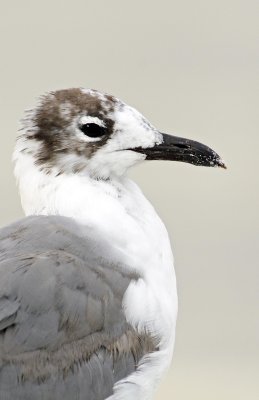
[[93, 130]]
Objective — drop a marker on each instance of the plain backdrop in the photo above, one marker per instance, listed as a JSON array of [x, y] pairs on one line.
[[191, 67]]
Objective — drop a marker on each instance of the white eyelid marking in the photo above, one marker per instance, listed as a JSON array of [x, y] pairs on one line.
[[87, 119]]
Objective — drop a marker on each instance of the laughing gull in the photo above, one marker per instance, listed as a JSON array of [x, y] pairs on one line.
[[88, 298]]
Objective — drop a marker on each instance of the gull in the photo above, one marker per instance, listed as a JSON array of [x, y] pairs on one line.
[[88, 298]]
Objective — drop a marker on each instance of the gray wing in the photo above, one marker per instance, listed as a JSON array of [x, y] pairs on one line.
[[63, 333]]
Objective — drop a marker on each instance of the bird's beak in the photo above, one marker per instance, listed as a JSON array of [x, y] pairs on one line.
[[175, 148]]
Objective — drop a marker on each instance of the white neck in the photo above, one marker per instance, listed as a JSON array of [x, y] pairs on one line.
[[115, 207]]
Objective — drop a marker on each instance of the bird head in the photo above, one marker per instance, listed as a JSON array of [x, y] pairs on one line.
[[86, 131]]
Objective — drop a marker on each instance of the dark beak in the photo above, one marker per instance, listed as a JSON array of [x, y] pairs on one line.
[[179, 149]]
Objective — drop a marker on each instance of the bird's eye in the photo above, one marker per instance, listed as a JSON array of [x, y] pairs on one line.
[[93, 130]]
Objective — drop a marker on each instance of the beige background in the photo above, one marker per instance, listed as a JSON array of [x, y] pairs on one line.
[[190, 67]]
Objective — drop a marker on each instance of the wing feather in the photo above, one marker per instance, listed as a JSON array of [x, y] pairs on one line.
[[62, 325]]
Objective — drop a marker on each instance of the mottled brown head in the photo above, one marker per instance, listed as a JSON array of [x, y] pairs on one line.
[[54, 122], [86, 131]]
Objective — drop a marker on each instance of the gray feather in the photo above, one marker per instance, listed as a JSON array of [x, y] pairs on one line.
[[63, 332]]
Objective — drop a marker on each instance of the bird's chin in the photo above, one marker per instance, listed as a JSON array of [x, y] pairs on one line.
[[113, 163]]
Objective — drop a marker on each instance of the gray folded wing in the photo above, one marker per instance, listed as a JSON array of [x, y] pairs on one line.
[[63, 333]]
